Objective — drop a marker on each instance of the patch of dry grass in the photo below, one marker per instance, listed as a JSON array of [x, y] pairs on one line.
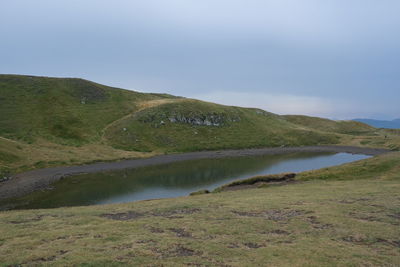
[[348, 222]]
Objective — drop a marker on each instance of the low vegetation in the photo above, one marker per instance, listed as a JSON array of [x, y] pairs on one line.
[[192, 125], [343, 127], [61, 121], [339, 216], [321, 221]]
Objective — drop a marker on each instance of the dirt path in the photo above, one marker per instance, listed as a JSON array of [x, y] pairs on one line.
[[27, 182], [141, 106]]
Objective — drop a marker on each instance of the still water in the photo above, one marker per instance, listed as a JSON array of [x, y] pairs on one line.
[[172, 180]]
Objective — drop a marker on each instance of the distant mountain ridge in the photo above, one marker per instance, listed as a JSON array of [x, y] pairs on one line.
[[393, 124]]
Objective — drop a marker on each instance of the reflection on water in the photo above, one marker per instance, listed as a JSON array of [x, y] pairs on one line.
[[175, 179]]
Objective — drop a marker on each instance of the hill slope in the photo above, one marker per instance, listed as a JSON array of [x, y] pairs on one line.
[[343, 127], [63, 110], [190, 125], [343, 215], [61, 121]]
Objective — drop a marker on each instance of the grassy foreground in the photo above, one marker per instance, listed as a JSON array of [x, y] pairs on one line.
[[347, 215]]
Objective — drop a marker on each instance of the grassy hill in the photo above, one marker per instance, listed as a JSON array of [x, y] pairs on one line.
[[190, 125], [345, 215], [66, 111], [343, 127], [60, 121]]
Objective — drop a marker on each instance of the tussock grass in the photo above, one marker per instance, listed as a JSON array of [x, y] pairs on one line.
[[318, 222]]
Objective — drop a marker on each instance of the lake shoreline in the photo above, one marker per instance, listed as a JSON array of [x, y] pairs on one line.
[[27, 182]]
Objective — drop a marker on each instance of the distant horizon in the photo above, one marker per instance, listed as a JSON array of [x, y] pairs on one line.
[[335, 59]]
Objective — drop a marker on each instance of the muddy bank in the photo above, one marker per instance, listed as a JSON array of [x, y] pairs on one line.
[[27, 182], [258, 181]]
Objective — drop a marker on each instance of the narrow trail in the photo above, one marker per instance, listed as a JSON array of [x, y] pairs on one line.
[[141, 106], [9, 140]]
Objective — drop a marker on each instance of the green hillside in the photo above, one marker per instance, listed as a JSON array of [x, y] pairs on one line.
[[62, 121], [343, 127], [63, 110], [345, 215], [190, 125]]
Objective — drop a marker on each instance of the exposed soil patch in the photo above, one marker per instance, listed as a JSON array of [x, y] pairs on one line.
[[274, 215], [173, 214], [33, 219], [132, 215], [195, 264], [182, 251], [156, 230], [126, 257], [180, 232], [46, 259], [317, 224], [363, 241], [365, 217], [62, 252], [177, 251], [253, 245], [393, 243], [123, 246], [123, 216], [233, 245], [146, 241], [284, 242], [277, 232], [43, 259], [395, 215]]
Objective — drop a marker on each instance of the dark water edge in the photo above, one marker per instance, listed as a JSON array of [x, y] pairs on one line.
[[171, 180]]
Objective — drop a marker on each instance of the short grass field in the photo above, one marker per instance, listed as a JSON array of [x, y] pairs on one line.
[[346, 215]]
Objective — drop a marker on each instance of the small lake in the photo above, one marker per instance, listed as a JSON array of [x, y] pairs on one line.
[[172, 180]]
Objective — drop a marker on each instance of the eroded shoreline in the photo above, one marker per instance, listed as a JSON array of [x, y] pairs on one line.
[[27, 182]]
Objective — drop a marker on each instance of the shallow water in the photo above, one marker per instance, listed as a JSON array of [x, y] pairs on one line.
[[173, 180]]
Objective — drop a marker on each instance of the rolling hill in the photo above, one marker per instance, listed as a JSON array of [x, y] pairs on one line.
[[60, 121], [341, 215]]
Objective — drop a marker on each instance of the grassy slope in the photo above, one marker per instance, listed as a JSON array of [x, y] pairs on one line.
[[151, 129], [345, 215], [60, 121], [46, 121], [344, 127], [320, 222], [71, 111]]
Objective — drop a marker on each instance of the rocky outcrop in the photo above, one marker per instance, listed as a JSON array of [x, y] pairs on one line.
[[206, 120], [210, 119]]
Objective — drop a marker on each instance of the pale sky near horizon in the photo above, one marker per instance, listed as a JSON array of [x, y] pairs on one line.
[[332, 58]]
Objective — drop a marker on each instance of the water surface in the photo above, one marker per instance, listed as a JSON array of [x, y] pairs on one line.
[[174, 179]]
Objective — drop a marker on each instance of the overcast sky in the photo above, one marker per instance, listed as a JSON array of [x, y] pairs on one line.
[[331, 58]]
